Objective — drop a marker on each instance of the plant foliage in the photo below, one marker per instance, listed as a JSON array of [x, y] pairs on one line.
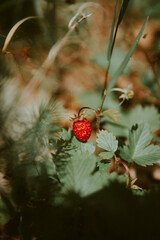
[[107, 141], [139, 150], [147, 114]]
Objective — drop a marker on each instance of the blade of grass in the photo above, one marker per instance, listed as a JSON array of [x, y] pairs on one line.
[[127, 58], [120, 18], [112, 40], [12, 31], [109, 52], [122, 11]]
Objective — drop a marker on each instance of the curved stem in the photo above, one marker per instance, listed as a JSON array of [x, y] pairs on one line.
[[97, 115], [126, 168], [87, 108]]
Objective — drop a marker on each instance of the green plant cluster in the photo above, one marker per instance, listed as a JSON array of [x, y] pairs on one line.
[[63, 194]]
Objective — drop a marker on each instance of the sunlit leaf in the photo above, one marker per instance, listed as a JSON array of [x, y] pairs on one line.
[[107, 141], [79, 177], [106, 155], [147, 114], [102, 166], [139, 150]]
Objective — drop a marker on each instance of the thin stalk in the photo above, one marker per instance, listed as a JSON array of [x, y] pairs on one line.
[[107, 70], [104, 91]]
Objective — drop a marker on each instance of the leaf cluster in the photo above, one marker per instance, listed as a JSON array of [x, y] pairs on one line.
[[140, 150]]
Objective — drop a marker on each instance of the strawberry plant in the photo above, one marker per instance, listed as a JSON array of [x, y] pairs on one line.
[[66, 177]]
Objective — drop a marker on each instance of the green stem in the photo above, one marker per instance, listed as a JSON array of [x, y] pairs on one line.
[[104, 92], [87, 108]]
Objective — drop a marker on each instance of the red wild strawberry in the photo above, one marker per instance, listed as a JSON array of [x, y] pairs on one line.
[[82, 129]]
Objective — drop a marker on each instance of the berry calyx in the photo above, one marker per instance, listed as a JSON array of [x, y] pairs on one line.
[[82, 129]]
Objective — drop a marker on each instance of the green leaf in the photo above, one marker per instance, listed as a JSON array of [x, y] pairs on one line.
[[120, 17], [66, 135], [79, 177], [106, 155], [138, 150], [107, 141], [147, 114], [103, 166], [139, 138], [149, 155], [109, 52], [127, 58], [66, 148], [122, 11], [83, 146]]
